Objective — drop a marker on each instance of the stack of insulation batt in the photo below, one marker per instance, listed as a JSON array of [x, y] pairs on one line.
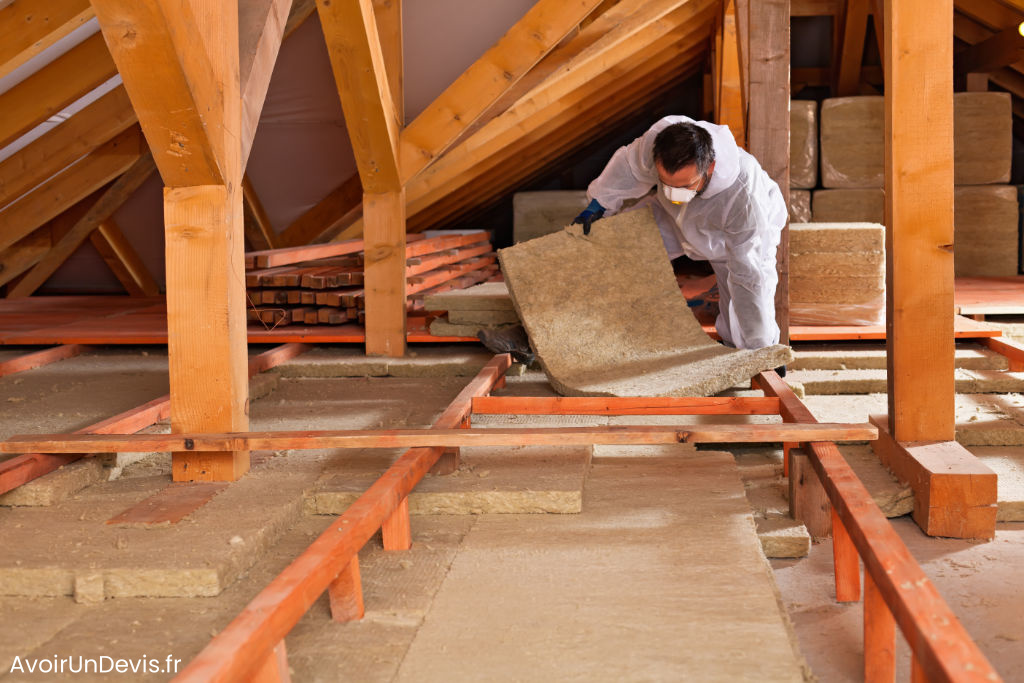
[[803, 158], [469, 310], [837, 274], [985, 208]]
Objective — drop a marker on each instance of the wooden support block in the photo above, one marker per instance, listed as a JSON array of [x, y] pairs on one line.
[[846, 561], [879, 635], [447, 463], [384, 216], [170, 505], [954, 492], [808, 501], [395, 531], [787, 448], [274, 668], [346, 593]]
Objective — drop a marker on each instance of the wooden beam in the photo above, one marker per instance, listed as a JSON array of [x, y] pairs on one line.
[[107, 204], [919, 216], [339, 209], [995, 15], [954, 492], [768, 130], [28, 28], [730, 108], [358, 64], [532, 37], [122, 259], [384, 272], [37, 359], [50, 199], [53, 87], [258, 228], [74, 138], [261, 28], [852, 54], [1002, 49], [388, 14], [154, 46], [435, 438]]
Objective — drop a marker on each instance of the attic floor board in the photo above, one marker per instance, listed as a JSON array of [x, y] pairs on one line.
[[142, 320], [989, 295]]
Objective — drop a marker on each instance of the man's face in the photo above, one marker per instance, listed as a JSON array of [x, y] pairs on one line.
[[687, 177]]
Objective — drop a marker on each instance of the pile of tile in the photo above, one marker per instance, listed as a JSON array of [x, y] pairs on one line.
[[325, 285], [837, 274]]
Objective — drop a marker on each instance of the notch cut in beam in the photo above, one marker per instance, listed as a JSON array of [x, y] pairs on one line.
[[432, 438]]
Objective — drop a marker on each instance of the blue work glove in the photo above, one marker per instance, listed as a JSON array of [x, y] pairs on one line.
[[593, 212]]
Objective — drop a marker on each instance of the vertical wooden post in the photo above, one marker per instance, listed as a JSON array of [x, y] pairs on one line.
[[384, 236], [768, 127], [879, 635], [847, 564], [395, 532], [275, 668], [919, 216], [808, 501], [346, 594]]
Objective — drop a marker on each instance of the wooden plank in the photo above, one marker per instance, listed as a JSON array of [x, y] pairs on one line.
[[1011, 349], [38, 359], [561, 405], [200, 442], [206, 323], [153, 44], [768, 128], [28, 28], [879, 635], [121, 255], [919, 215], [855, 30], [269, 617], [342, 206], [79, 135], [808, 502], [170, 505], [346, 594], [107, 204], [53, 87], [384, 273], [543, 26], [287, 256], [954, 492], [395, 531], [258, 228], [261, 27], [106, 162], [359, 74], [730, 108], [847, 564]]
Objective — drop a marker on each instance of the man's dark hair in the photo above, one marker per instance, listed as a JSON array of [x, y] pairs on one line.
[[682, 144]]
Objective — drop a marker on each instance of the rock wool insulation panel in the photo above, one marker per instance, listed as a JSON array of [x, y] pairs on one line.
[[605, 315], [803, 144], [837, 273], [799, 206], [853, 140]]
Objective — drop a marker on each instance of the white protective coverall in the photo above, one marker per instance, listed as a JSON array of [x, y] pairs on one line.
[[735, 224]]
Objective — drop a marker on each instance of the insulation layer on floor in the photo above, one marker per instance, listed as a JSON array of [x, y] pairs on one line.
[[616, 324], [542, 597]]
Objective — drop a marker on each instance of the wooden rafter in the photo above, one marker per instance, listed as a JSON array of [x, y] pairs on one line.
[[65, 144], [28, 28], [341, 207], [993, 14], [110, 201], [1002, 49], [153, 44], [50, 199], [359, 73], [388, 14], [261, 27], [258, 229], [852, 54], [53, 87], [122, 259], [542, 27]]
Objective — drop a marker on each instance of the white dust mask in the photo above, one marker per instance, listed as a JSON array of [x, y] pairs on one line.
[[678, 195]]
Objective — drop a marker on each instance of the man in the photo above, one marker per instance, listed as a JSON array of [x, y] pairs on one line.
[[714, 203]]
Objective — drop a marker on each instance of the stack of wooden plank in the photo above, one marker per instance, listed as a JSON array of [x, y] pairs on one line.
[[322, 284]]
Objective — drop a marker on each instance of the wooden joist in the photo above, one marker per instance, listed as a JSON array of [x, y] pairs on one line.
[[559, 405], [38, 359], [28, 28], [432, 438]]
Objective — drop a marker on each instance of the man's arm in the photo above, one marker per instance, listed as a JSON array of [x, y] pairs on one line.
[[630, 173]]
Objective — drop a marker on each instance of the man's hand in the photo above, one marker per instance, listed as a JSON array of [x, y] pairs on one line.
[[593, 212]]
